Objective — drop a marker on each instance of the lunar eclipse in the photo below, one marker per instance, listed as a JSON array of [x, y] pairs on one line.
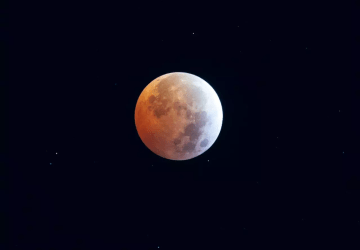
[[178, 116]]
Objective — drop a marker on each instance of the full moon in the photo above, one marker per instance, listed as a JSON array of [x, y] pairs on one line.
[[178, 116]]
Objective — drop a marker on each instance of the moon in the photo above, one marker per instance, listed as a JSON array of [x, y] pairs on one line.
[[178, 116]]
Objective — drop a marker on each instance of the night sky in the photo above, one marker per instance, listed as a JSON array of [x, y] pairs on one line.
[[284, 171]]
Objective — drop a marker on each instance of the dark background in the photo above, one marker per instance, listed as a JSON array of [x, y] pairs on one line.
[[284, 170]]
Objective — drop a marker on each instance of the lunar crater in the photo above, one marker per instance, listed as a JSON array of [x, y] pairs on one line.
[[152, 98], [204, 143]]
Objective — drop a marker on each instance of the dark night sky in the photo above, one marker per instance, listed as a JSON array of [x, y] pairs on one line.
[[284, 170]]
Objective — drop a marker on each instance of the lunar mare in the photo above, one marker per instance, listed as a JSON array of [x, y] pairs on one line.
[[178, 116]]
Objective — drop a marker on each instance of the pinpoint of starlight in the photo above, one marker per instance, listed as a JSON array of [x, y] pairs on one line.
[[178, 116]]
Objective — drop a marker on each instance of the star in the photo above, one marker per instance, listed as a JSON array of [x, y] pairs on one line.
[[158, 247], [306, 48], [193, 33], [208, 160], [50, 163], [343, 152], [56, 153], [339, 110]]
